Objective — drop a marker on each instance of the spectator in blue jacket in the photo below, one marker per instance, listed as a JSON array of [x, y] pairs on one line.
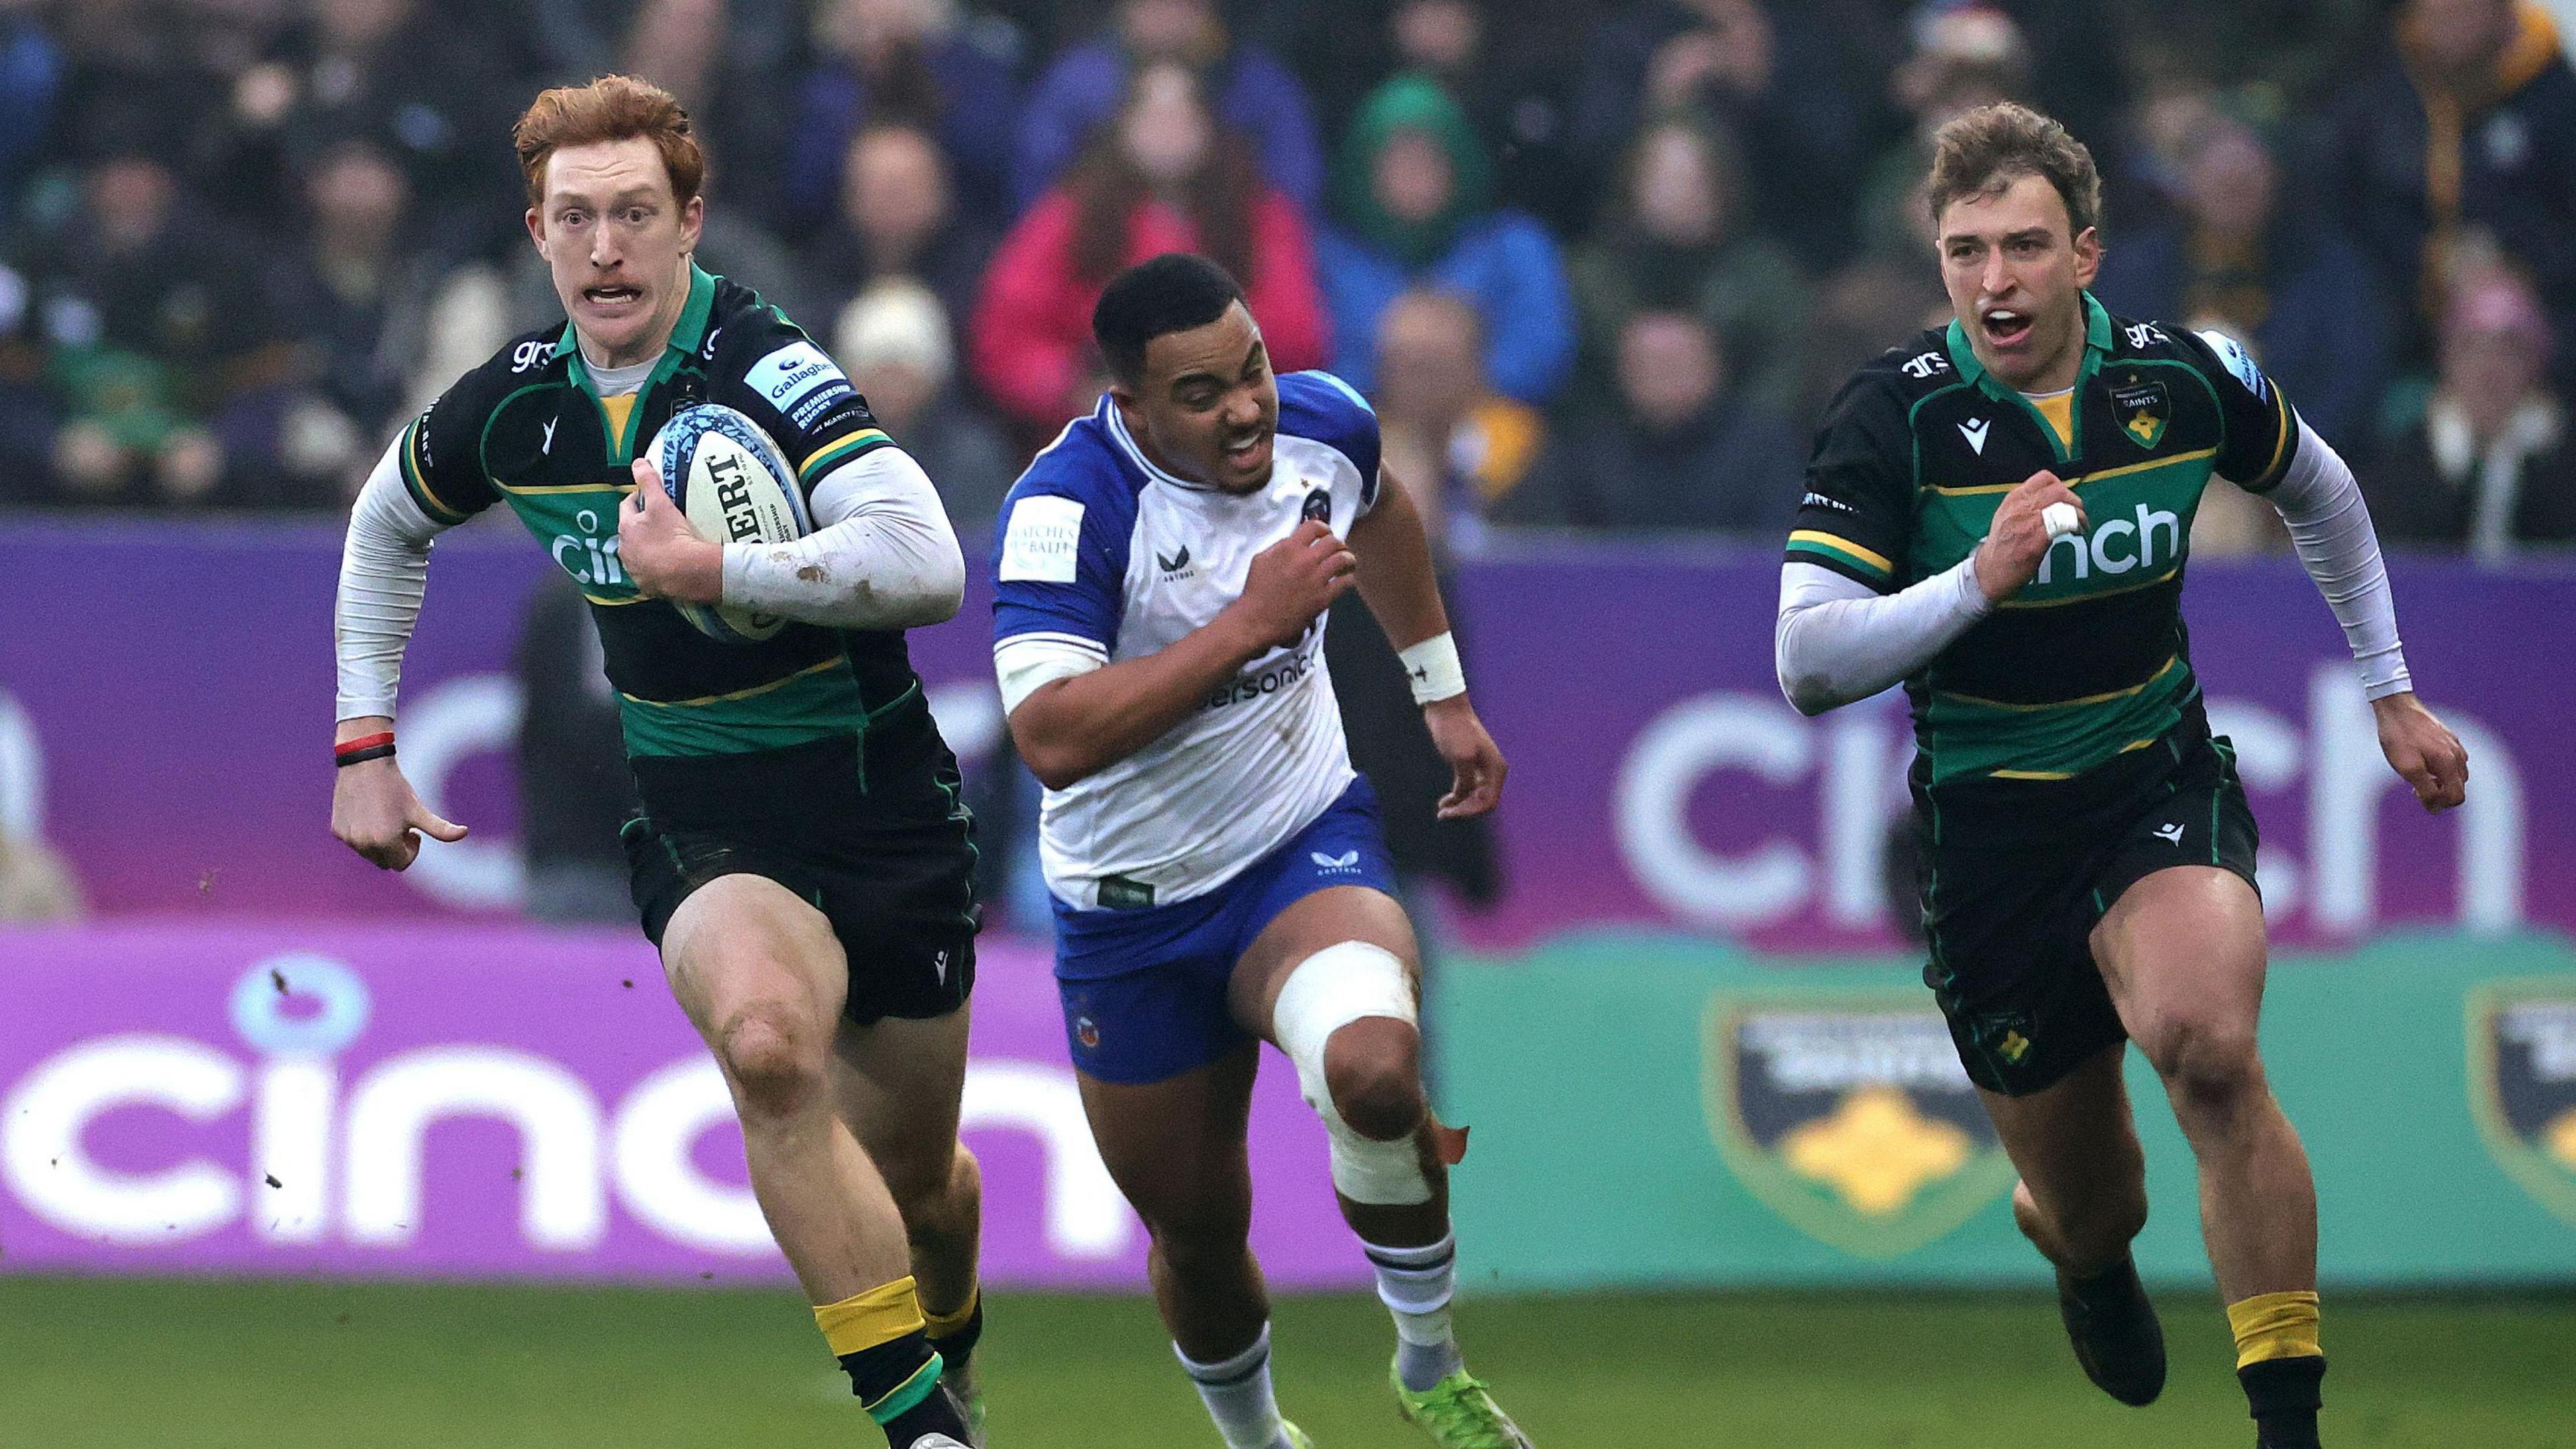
[[2282, 280], [1413, 209], [1256, 96], [911, 63]]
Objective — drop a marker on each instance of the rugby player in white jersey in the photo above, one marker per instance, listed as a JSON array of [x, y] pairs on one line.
[[1218, 872]]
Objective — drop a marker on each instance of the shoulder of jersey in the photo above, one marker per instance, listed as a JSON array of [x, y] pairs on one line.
[[1081, 463], [523, 358], [1922, 365], [742, 329]]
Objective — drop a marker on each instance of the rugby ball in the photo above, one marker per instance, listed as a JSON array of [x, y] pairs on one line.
[[734, 485]]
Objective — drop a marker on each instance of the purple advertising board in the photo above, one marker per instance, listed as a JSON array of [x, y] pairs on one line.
[[444, 1100], [165, 693]]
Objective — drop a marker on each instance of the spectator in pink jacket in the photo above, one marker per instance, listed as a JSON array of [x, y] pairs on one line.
[[1162, 178]]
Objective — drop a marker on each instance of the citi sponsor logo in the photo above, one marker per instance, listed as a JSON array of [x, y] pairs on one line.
[[2117, 546]]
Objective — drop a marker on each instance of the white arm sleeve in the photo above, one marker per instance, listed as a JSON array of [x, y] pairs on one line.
[[882, 555], [1026, 663], [2330, 525], [1838, 640], [384, 569]]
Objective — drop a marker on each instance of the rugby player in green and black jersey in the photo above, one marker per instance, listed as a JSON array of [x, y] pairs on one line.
[[802, 859], [1997, 514]]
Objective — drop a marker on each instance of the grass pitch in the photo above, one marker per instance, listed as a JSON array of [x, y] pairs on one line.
[[121, 1364]]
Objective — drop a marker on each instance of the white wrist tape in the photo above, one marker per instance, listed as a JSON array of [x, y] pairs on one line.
[[1324, 993], [1432, 668]]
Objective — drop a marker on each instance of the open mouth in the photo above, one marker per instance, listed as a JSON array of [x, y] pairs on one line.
[[2004, 326], [1246, 451], [612, 295]]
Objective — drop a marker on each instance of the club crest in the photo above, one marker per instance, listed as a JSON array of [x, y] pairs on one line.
[[2143, 408], [1848, 1114], [2522, 1083]]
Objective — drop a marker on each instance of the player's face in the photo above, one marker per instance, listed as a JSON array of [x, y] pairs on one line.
[[2014, 276], [618, 244], [1207, 407]]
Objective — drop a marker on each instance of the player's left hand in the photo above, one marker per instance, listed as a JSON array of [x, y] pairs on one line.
[[1474, 760], [660, 551], [2423, 750]]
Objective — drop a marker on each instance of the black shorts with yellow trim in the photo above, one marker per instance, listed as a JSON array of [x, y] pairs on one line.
[[888, 858], [2010, 925]]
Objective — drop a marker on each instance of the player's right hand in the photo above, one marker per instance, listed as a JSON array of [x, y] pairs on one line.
[[375, 813], [2018, 538], [1291, 582]]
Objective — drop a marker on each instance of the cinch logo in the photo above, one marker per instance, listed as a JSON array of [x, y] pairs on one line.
[[2105, 549], [589, 560]]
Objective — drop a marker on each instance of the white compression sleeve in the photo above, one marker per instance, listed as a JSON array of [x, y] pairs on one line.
[[384, 570], [1026, 663], [2330, 525], [1838, 641], [882, 554]]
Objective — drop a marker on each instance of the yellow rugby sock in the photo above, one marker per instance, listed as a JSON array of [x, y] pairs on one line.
[[2275, 1325], [862, 1321], [947, 1325]]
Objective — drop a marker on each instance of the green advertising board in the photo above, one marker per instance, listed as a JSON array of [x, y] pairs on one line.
[[1660, 1110]]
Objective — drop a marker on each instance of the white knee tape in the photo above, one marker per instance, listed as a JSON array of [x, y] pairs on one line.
[[1327, 991]]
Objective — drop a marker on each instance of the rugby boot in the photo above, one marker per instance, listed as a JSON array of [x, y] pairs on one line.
[[959, 1380], [1459, 1413], [2114, 1331], [969, 1399], [1296, 1437]]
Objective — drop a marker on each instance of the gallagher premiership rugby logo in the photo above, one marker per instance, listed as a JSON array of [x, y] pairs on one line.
[[2522, 1083], [1848, 1115]]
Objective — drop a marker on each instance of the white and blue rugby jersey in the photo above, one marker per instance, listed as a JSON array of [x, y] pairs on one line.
[[1103, 553]]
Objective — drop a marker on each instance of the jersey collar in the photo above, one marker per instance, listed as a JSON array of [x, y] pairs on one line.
[[2097, 343], [687, 335]]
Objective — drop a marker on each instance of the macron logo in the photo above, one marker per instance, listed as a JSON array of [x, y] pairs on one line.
[[1974, 431]]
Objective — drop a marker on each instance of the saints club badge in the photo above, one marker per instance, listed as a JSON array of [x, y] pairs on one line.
[[2522, 1083], [1849, 1116], [2143, 409]]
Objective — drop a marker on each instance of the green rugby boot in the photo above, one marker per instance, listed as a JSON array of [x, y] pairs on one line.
[[1459, 1413]]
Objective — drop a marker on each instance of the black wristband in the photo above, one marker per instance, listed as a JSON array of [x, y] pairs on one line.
[[354, 757]]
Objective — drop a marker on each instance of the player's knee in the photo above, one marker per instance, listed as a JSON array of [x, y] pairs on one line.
[[1201, 1237], [774, 1058], [1373, 1068], [2208, 1064]]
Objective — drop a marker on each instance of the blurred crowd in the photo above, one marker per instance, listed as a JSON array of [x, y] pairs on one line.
[[1600, 263]]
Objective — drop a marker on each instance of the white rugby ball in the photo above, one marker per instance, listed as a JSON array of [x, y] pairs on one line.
[[735, 486]]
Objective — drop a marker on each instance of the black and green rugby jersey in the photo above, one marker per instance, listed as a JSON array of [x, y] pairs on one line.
[[2091, 660], [529, 428]]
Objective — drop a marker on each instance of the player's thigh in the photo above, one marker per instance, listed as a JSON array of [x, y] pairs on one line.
[[1325, 918], [2073, 1141], [1176, 1147], [2182, 951], [898, 1083], [743, 943]]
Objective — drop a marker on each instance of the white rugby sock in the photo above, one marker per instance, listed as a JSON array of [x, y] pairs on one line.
[[1416, 1285], [1238, 1395]]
